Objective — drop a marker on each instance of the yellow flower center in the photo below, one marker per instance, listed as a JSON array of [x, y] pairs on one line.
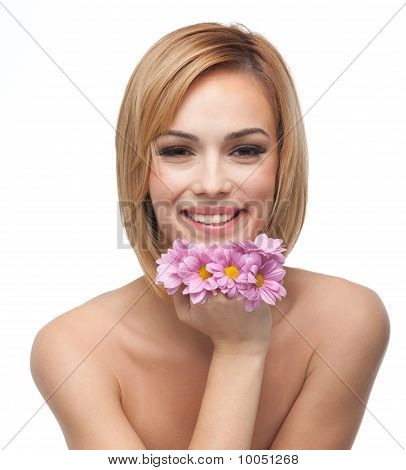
[[260, 279], [203, 273], [231, 271]]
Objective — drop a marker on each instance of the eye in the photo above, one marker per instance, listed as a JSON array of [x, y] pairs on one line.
[[248, 152], [172, 151], [255, 151]]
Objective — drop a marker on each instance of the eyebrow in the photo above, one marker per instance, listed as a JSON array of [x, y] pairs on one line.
[[228, 137]]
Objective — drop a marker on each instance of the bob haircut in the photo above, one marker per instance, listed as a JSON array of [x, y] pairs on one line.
[[153, 92]]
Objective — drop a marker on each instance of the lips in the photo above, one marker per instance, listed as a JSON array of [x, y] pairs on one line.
[[210, 210], [189, 213], [222, 227], [235, 214]]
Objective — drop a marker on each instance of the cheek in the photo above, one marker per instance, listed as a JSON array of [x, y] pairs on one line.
[[165, 182], [164, 189], [160, 197], [260, 199], [156, 188], [161, 187], [259, 190]]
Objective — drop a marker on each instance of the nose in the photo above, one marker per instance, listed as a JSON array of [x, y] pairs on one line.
[[211, 177]]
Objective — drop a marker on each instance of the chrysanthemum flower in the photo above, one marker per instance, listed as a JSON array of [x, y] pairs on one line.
[[272, 247], [199, 281], [227, 268], [168, 266], [264, 281]]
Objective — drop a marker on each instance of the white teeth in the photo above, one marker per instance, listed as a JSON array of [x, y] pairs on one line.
[[211, 219], [219, 218]]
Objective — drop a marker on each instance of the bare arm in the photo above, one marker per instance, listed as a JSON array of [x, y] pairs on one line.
[[84, 398], [230, 402], [80, 392], [241, 341], [328, 411]]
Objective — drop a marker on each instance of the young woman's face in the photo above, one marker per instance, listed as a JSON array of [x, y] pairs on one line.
[[211, 170]]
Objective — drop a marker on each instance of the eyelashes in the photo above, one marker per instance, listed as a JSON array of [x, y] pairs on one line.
[[252, 152]]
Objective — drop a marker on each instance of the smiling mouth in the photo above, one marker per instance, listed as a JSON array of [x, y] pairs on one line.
[[219, 224]]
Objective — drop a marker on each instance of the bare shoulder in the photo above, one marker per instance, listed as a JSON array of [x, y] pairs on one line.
[[71, 365], [349, 327], [71, 339], [93, 316], [336, 299], [339, 308], [92, 324]]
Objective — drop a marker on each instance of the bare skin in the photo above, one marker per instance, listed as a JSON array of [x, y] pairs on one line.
[[127, 370], [152, 368], [171, 396]]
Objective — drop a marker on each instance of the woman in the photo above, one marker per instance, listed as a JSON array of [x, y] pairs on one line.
[[210, 121]]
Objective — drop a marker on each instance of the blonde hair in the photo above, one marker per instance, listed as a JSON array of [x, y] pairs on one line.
[[153, 92]]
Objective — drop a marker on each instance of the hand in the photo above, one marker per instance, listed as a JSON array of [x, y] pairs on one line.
[[231, 328]]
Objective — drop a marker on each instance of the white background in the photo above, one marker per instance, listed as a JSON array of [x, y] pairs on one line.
[[58, 195]]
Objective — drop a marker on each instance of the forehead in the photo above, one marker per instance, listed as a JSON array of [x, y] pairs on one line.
[[225, 100]]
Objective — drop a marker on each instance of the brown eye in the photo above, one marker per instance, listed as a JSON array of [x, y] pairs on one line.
[[250, 152], [245, 152], [173, 151]]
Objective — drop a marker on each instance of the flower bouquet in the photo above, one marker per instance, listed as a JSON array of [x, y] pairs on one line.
[[252, 270]]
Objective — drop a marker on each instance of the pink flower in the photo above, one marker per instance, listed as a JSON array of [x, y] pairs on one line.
[[264, 281], [227, 268], [168, 266], [272, 247], [250, 269], [199, 281]]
